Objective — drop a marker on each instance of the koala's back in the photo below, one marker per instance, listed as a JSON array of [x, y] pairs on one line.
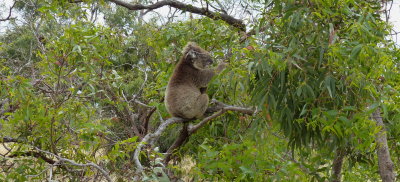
[[182, 93]]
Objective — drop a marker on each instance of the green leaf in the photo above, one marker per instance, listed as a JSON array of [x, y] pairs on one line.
[[330, 85], [304, 110], [355, 51]]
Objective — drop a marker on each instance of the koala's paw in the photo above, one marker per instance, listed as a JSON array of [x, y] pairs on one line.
[[222, 65]]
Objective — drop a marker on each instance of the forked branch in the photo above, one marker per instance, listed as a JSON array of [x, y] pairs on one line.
[[39, 153], [150, 138], [90, 164]]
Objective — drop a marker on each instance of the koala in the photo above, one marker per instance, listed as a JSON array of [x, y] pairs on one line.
[[186, 96]]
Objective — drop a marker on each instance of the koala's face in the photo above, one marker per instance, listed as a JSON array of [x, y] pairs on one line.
[[202, 62], [199, 58]]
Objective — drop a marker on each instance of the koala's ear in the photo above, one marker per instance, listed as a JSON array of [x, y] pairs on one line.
[[191, 54]]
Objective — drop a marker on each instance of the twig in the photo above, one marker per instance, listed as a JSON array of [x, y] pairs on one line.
[[221, 6], [36, 175], [5, 147], [143, 104], [302, 167], [126, 113], [142, 86]]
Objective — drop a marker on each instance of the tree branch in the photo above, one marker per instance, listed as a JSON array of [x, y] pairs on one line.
[[185, 7], [151, 137], [9, 13], [60, 160], [9, 140], [385, 163], [33, 154], [179, 141], [337, 165], [193, 128], [189, 130], [186, 131], [126, 113], [90, 164]]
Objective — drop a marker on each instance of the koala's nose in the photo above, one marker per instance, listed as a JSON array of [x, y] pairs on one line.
[[210, 61]]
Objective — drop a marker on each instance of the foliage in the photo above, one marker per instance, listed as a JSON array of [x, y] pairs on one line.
[[322, 83], [89, 90]]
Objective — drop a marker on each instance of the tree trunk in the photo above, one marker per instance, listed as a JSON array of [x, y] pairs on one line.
[[384, 162], [337, 165]]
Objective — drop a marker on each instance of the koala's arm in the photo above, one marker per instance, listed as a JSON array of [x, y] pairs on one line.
[[221, 66], [207, 74]]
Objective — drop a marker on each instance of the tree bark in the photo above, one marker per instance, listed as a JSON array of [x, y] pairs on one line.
[[337, 165], [385, 163], [185, 7], [182, 138]]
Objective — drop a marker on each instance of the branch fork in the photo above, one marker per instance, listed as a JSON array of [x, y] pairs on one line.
[[187, 130]]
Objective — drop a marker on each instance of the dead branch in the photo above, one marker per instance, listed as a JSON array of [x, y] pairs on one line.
[[185, 7], [90, 164], [9, 12], [61, 160]]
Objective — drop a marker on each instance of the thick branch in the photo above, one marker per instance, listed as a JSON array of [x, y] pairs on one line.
[[182, 138], [189, 130], [185, 7], [151, 137], [147, 120], [185, 133], [337, 165], [193, 128], [385, 163]]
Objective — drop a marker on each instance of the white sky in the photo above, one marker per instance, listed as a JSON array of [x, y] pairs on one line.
[[394, 16], [395, 19]]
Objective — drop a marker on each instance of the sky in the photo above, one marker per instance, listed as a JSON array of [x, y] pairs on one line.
[[395, 19], [394, 16]]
